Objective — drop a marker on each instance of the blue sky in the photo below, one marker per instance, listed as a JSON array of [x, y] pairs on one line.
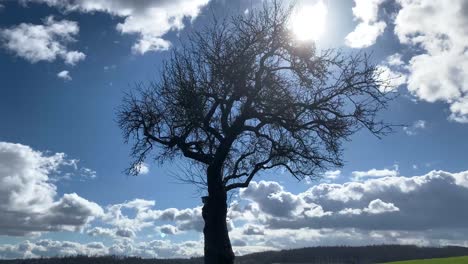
[[65, 66]]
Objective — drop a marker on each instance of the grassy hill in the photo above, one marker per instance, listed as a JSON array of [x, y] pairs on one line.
[[455, 260]]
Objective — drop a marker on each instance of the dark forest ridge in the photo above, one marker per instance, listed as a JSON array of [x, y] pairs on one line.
[[335, 254]]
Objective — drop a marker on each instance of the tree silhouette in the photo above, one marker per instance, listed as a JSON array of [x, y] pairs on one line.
[[242, 96]]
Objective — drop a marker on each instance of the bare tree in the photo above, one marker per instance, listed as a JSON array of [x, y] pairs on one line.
[[242, 96]]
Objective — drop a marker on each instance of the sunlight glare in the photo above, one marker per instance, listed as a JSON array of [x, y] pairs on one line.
[[308, 22]]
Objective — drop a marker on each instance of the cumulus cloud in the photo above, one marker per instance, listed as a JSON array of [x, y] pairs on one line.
[[149, 20], [100, 231], [45, 42], [436, 70], [378, 206], [365, 35], [157, 249], [327, 176], [115, 233], [382, 210], [144, 216], [423, 210], [395, 60], [276, 239], [253, 230], [392, 77], [28, 201], [115, 217], [369, 28], [150, 249], [272, 198], [332, 175], [168, 229], [185, 219], [389, 203], [50, 248], [358, 175], [125, 232], [439, 70], [367, 10], [272, 239], [65, 75]]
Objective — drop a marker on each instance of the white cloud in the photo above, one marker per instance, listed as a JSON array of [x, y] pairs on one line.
[[100, 231], [388, 210], [271, 239], [378, 206], [143, 168], [125, 232], [439, 70], [145, 216], [332, 175], [376, 210], [392, 79], [76, 173], [388, 203], [65, 75], [71, 212], [253, 230], [88, 173], [115, 233], [168, 229], [382, 210], [116, 218], [72, 57], [266, 216], [459, 110], [393, 73], [51, 248], [415, 127], [365, 35], [350, 211], [395, 60], [276, 239], [369, 28], [157, 248], [327, 176], [367, 10], [45, 42], [358, 175], [27, 196], [272, 199], [150, 20]]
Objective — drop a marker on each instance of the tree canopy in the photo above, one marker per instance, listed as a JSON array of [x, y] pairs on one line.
[[245, 95]]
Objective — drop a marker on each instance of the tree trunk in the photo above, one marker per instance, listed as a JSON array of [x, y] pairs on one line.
[[218, 248]]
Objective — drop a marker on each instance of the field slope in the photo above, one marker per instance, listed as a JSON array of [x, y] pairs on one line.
[[456, 260]]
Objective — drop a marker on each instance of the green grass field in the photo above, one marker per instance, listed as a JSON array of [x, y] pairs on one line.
[[456, 260]]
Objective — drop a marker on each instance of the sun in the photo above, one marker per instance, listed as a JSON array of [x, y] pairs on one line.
[[308, 21]]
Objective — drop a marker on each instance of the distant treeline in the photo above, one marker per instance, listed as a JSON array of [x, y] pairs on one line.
[[316, 255]]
